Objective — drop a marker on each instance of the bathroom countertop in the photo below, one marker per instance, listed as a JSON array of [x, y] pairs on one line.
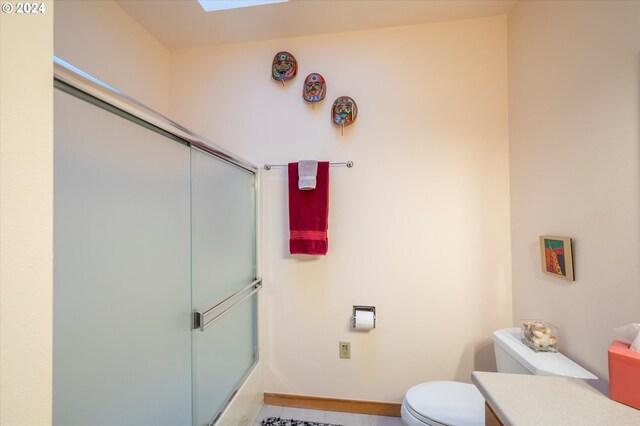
[[521, 399]]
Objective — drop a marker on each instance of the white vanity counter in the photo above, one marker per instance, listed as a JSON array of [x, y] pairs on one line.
[[521, 399]]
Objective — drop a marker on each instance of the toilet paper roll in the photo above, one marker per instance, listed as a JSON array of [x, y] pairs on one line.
[[364, 320]]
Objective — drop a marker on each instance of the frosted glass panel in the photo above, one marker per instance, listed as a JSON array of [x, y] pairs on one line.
[[223, 354], [223, 262], [223, 227], [122, 303]]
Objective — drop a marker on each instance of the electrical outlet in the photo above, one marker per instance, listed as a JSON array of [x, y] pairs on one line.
[[345, 350]]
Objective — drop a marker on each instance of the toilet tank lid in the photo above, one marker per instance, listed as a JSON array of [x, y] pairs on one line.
[[538, 363]]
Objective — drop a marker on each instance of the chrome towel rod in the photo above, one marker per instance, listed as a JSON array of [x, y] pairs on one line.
[[349, 164], [199, 318]]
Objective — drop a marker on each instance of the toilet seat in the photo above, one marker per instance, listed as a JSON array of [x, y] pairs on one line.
[[411, 418], [446, 403]]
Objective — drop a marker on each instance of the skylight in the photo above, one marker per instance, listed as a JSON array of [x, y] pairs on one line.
[[213, 5]]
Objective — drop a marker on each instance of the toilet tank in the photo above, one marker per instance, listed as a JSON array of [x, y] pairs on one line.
[[513, 356]]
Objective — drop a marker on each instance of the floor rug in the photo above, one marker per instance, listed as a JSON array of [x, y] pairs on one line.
[[277, 421]]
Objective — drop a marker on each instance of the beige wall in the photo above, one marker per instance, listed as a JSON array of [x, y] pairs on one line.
[[26, 155], [101, 39], [574, 161], [419, 227]]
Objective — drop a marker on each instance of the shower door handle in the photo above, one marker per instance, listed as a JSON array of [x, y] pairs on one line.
[[199, 320]]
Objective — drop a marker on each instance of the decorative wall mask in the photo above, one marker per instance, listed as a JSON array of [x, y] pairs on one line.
[[344, 112], [314, 89], [284, 67]]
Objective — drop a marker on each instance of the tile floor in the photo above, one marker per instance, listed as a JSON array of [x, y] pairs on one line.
[[345, 419]]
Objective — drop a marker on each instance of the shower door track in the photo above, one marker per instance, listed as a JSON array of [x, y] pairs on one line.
[[69, 75]]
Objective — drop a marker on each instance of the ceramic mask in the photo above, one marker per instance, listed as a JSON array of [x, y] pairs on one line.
[[344, 111], [284, 67], [314, 88]]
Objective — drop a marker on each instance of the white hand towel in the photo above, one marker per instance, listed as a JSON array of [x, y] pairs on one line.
[[307, 171]]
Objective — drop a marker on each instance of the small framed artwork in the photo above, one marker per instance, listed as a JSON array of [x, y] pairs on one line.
[[556, 256]]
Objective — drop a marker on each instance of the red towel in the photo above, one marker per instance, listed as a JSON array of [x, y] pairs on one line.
[[309, 213]]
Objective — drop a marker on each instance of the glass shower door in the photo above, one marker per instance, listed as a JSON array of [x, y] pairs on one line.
[[224, 285], [153, 231], [121, 309]]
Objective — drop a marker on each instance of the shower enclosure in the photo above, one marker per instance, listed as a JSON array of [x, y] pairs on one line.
[[155, 277]]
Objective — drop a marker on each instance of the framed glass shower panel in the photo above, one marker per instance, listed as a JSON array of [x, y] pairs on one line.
[[223, 224], [121, 332]]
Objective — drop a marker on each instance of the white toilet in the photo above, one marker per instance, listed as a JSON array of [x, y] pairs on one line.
[[449, 403]]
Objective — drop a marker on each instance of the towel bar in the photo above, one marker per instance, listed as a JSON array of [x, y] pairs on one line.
[[349, 164], [199, 318]]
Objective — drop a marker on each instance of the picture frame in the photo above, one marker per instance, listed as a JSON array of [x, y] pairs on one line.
[[556, 257]]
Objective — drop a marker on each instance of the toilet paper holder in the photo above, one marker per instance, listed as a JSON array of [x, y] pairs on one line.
[[363, 308]]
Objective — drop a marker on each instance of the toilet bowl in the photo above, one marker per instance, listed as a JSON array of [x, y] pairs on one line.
[[447, 403], [443, 403]]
